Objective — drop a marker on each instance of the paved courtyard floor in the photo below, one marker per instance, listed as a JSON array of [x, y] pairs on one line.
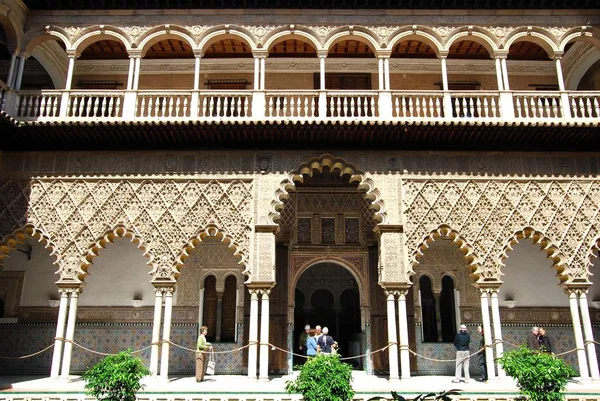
[[226, 387]]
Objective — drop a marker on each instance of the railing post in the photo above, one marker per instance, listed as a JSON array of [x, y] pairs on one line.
[[566, 105], [507, 107], [64, 104], [322, 104], [385, 104], [194, 102], [11, 103], [258, 104], [129, 105], [448, 112]]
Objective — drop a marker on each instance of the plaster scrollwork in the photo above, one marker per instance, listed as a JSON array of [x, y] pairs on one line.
[[74, 31], [499, 31], [322, 31], [444, 31], [135, 32], [260, 32], [489, 213]]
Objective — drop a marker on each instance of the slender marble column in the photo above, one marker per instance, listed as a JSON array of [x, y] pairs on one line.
[[380, 73], [158, 297], [262, 73], [164, 358], [559, 74], [60, 332], [137, 69], [581, 358], [403, 322], [499, 73], [505, 74], [392, 340], [264, 336], [589, 335], [444, 73], [70, 70], [130, 76], [497, 330], [253, 334], [11, 70], [219, 317], [197, 72], [386, 72], [66, 364], [322, 71], [487, 335], [256, 73]]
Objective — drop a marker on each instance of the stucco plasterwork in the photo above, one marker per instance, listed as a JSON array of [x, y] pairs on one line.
[[563, 217], [164, 215]]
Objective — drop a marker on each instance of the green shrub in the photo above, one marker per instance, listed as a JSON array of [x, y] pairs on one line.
[[323, 378], [115, 377], [442, 396], [540, 376]]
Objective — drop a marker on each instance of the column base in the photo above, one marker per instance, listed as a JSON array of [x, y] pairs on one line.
[[263, 379], [394, 380]]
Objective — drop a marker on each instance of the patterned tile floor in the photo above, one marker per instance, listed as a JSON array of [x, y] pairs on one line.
[[365, 386]]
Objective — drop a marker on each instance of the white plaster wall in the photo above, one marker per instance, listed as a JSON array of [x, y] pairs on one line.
[[529, 278], [39, 284], [117, 275]]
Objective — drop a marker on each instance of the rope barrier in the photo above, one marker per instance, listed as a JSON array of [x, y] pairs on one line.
[[215, 352], [28, 356], [442, 360]]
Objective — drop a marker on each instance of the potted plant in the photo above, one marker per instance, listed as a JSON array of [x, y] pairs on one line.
[[115, 377], [540, 376], [442, 396], [323, 378]]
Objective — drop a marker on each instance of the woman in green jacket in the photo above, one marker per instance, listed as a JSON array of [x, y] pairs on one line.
[[203, 346]]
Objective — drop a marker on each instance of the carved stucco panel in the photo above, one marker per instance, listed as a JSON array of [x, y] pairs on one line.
[[488, 213], [166, 214]]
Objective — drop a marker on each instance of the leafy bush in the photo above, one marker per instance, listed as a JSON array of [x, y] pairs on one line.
[[540, 376], [442, 396], [115, 377], [323, 378]]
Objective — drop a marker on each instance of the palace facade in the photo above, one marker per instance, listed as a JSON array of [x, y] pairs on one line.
[[390, 173]]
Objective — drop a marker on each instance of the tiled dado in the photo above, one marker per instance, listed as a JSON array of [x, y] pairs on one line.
[[560, 335], [122, 314], [25, 339]]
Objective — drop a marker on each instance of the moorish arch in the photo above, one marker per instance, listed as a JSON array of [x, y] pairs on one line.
[[475, 34], [9, 243], [226, 32], [420, 33], [539, 36], [559, 262], [337, 166], [158, 34]]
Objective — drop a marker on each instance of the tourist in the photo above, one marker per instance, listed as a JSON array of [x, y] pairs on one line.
[[532, 340], [319, 332], [325, 342], [201, 349], [544, 341], [481, 355], [311, 343], [461, 343], [303, 338]]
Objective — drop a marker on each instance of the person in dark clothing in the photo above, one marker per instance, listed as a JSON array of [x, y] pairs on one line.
[[481, 355], [532, 340], [461, 343], [544, 340]]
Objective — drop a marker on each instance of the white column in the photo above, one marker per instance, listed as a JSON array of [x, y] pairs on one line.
[[66, 364], [559, 74], [581, 359], [497, 330], [156, 331], [403, 322], [262, 73], [60, 332], [11, 70], [589, 335], [505, 73], [386, 73], [256, 73], [201, 308], [197, 72], [380, 71], [20, 69], [444, 73], [499, 73], [253, 334], [322, 71], [136, 72], [130, 76], [487, 335], [164, 357], [70, 70], [219, 317], [264, 336], [392, 340]]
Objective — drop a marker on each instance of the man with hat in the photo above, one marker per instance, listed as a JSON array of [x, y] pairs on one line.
[[461, 343]]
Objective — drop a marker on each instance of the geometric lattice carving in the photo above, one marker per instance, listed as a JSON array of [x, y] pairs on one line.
[[165, 215], [489, 214], [352, 234]]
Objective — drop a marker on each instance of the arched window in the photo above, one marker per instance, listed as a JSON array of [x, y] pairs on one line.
[[428, 310], [447, 309], [228, 325], [210, 307]]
